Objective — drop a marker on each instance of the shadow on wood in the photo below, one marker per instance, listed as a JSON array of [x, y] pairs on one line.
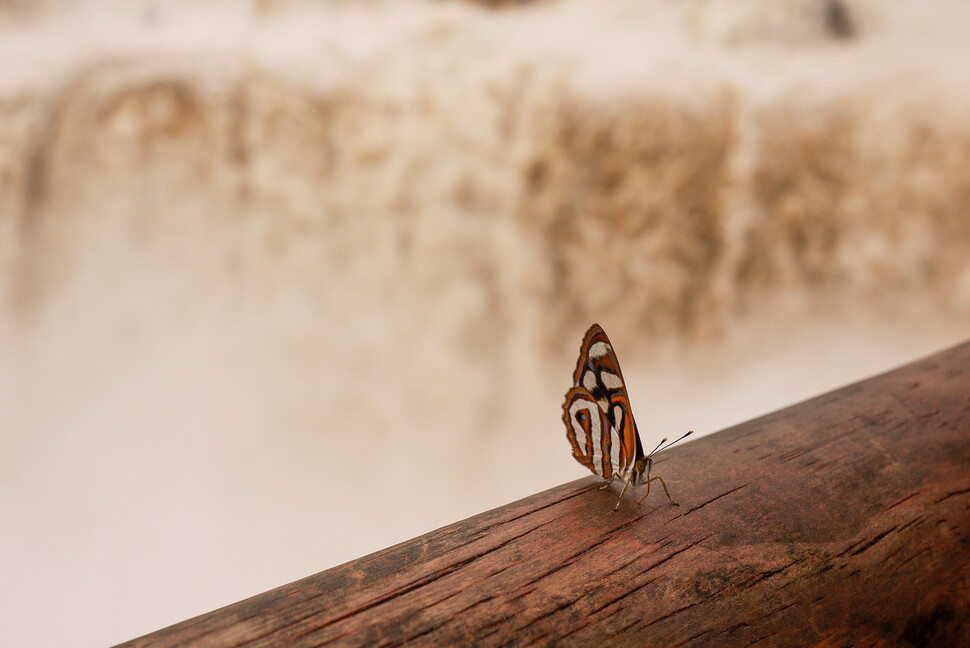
[[843, 520]]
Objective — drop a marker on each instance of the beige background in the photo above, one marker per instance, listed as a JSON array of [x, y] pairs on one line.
[[283, 283]]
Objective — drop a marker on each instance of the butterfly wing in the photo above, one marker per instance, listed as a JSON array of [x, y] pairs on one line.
[[595, 442], [599, 377]]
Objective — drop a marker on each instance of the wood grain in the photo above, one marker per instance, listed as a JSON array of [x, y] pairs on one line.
[[843, 520]]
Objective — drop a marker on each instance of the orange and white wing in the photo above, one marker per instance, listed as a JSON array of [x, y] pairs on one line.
[[595, 442], [599, 377]]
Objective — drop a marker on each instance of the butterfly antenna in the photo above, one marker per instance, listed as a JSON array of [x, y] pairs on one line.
[[659, 449], [662, 441]]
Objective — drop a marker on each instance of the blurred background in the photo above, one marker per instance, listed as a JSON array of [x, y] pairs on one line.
[[285, 282]]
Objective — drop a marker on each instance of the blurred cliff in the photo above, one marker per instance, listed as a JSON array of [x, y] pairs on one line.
[[300, 279]]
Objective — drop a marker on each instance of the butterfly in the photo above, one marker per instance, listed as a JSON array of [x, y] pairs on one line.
[[599, 422]]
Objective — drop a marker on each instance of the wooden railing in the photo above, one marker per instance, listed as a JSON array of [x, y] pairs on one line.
[[840, 521]]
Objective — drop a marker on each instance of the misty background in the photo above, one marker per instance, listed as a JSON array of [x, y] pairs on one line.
[[285, 282]]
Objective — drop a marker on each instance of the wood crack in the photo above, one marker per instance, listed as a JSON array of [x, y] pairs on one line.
[[714, 499], [898, 502], [768, 574], [952, 494], [870, 543]]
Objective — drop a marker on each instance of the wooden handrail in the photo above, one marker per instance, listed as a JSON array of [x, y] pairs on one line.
[[843, 520]]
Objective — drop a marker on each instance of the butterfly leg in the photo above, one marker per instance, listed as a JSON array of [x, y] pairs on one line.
[[629, 479], [607, 483], [662, 483]]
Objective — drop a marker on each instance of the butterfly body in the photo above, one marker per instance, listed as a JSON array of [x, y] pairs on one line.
[[599, 420]]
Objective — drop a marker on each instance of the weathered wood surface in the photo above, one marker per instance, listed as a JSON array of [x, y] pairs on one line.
[[843, 520]]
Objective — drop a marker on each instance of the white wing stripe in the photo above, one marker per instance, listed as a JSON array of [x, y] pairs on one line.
[[610, 380], [594, 426], [615, 448]]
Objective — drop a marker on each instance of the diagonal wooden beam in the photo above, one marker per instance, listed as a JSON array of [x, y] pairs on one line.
[[843, 520]]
